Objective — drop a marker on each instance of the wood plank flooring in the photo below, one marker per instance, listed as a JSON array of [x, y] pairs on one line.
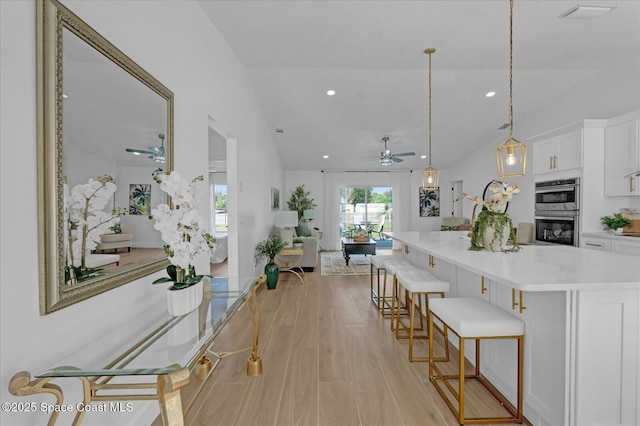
[[329, 358]]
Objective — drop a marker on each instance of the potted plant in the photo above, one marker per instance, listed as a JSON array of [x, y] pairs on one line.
[[297, 243], [361, 236], [180, 229], [270, 248], [615, 222], [300, 201], [492, 228]]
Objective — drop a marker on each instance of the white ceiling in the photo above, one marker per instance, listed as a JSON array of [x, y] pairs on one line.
[[371, 54]]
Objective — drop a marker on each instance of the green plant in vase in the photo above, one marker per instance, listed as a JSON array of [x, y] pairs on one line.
[[492, 228], [300, 201], [617, 221], [269, 249]]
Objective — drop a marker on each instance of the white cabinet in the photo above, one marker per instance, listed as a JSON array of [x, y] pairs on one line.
[[621, 158], [611, 242], [595, 243], [558, 153], [626, 247]]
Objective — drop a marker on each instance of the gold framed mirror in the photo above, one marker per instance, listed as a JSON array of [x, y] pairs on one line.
[[96, 109]]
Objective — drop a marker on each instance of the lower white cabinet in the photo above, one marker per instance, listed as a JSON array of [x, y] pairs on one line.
[[612, 243]]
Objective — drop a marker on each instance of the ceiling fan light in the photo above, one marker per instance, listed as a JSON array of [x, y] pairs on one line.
[[430, 178]]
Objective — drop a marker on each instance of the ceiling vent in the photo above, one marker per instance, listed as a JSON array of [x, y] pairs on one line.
[[279, 130], [586, 12]]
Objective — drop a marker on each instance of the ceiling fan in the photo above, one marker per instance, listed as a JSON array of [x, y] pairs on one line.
[[386, 158], [156, 152]]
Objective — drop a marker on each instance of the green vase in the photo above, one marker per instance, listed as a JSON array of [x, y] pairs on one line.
[[272, 271]]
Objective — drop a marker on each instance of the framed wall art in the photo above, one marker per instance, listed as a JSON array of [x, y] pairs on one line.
[[429, 203], [275, 199], [139, 198]]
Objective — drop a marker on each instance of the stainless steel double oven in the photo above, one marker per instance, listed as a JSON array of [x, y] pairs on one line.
[[557, 212]]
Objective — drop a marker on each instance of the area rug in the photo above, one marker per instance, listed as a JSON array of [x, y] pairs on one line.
[[332, 263]]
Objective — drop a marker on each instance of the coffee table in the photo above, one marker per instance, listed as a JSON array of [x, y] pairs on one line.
[[350, 247]]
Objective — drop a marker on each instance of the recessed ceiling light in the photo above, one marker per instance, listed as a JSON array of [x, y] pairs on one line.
[[135, 153], [423, 156], [586, 12], [331, 92], [490, 94], [64, 96], [325, 156]]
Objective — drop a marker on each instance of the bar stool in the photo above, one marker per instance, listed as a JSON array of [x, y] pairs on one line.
[[377, 262], [471, 318], [393, 266], [419, 284]]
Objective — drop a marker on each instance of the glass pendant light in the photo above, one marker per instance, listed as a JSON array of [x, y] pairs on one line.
[[511, 155], [430, 175]]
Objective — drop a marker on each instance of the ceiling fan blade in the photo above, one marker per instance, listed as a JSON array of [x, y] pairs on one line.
[[138, 151], [397, 160], [156, 149], [404, 154]]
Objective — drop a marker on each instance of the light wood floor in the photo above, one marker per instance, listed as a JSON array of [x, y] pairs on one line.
[[329, 358]]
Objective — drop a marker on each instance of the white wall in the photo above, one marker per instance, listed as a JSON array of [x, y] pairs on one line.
[[178, 45]]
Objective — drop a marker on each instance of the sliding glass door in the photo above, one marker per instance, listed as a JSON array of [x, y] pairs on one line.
[[368, 208]]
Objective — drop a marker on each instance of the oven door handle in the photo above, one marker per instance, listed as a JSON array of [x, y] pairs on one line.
[[555, 217], [570, 188]]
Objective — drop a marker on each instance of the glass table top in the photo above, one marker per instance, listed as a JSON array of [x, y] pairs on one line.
[[154, 342]]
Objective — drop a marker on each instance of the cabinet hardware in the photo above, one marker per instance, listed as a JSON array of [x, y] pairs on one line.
[[555, 162], [519, 303], [432, 263], [550, 162], [593, 245], [522, 307], [631, 184], [406, 249], [483, 289]]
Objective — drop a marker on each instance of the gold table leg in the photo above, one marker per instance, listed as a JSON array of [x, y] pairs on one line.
[[169, 386], [22, 385]]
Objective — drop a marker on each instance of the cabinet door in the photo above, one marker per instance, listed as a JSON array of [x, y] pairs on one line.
[[621, 157], [543, 153], [569, 152], [626, 247]]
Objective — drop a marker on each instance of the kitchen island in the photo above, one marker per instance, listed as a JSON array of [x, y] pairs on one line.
[[580, 308]]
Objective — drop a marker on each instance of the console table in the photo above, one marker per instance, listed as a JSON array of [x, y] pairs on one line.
[[350, 247], [169, 349]]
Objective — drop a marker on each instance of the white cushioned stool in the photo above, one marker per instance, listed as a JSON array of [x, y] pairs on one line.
[[418, 284], [393, 266], [377, 261], [471, 318]]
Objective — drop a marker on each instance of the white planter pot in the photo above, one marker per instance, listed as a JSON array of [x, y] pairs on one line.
[[181, 302], [499, 243]]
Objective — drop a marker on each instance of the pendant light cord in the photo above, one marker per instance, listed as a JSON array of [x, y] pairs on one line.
[[429, 108], [510, 69]]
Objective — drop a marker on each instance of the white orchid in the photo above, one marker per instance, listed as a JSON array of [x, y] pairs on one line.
[[501, 194], [181, 227], [86, 220]]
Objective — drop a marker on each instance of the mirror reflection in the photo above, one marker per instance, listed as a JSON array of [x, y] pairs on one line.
[[113, 125]]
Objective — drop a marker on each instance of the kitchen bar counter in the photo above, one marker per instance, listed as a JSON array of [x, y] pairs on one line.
[[533, 268], [582, 326]]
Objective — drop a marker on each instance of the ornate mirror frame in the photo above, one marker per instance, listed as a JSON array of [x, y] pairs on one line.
[[52, 19]]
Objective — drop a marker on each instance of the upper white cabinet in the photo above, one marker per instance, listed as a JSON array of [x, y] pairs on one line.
[[558, 153], [621, 158]]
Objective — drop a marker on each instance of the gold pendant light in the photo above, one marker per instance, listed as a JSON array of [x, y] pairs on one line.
[[431, 175], [511, 155]]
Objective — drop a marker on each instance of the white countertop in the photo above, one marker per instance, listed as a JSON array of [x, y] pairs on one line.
[[611, 236], [533, 268]]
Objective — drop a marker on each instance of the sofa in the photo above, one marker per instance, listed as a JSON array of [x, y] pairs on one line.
[[115, 241], [310, 246]]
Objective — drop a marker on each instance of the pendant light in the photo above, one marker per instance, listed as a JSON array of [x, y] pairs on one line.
[[511, 155], [431, 175]]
